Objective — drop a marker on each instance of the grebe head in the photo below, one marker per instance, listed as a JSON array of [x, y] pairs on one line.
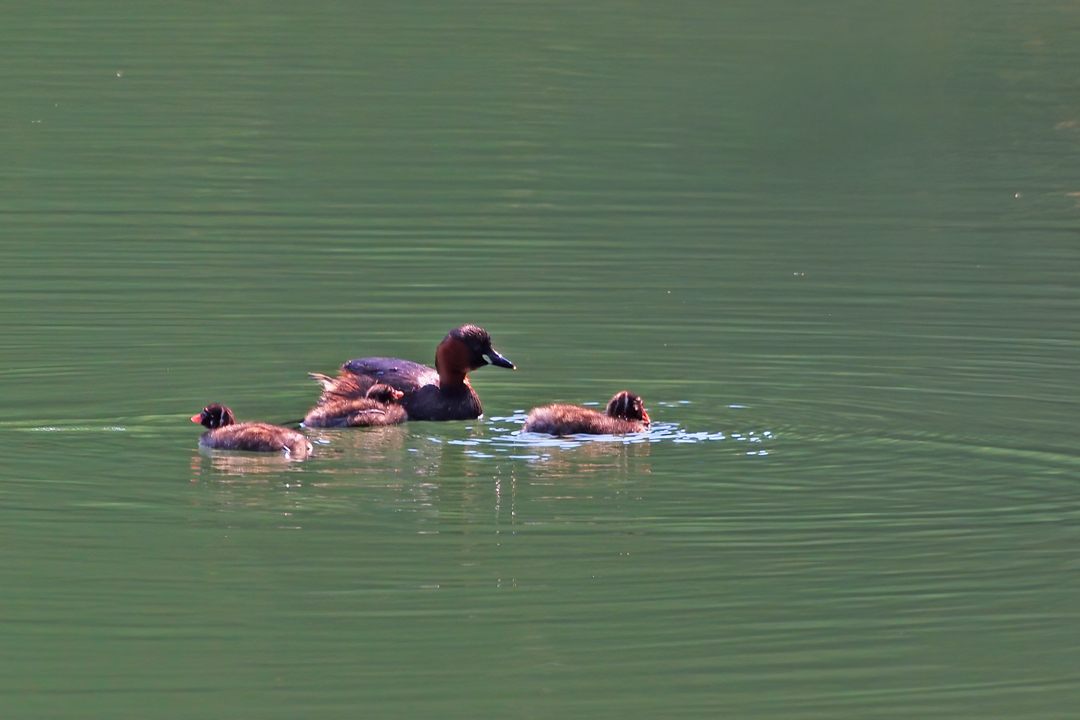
[[627, 406], [383, 393], [214, 416], [478, 343], [463, 350]]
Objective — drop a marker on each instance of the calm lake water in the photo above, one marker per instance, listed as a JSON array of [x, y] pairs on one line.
[[835, 247]]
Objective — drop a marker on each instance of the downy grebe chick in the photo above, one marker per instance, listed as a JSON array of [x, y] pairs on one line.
[[625, 414], [226, 434], [439, 393], [342, 405]]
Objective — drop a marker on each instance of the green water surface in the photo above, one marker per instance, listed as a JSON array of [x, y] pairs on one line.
[[835, 248]]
